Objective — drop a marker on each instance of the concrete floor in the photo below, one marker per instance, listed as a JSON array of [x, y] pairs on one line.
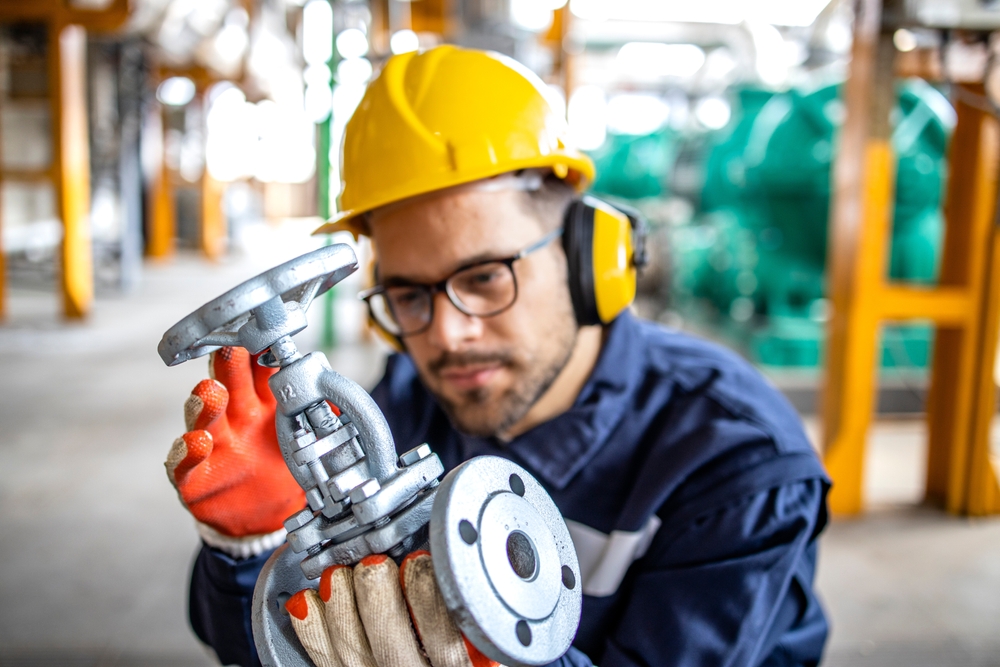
[[95, 547]]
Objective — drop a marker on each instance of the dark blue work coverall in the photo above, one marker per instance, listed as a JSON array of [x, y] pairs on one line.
[[690, 489]]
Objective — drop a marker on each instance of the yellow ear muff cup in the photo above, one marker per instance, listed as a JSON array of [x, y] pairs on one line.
[[598, 241], [578, 243], [613, 268]]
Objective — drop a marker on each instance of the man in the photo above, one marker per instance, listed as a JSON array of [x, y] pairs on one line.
[[692, 494]]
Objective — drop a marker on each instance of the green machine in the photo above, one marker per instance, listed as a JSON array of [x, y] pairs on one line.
[[751, 265]]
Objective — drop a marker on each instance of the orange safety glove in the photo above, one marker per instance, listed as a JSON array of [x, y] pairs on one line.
[[228, 469], [366, 617]]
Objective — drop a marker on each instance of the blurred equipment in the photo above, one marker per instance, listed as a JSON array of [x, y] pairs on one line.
[[45, 175], [503, 557], [758, 252], [964, 306]]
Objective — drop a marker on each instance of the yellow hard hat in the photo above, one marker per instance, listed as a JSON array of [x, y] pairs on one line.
[[442, 118]]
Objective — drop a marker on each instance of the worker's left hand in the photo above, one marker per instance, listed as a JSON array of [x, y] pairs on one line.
[[378, 615]]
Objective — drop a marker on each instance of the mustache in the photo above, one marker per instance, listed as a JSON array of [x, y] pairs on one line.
[[460, 359]]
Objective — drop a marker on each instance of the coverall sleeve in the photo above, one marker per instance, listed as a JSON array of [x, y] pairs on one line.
[[219, 604], [727, 586]]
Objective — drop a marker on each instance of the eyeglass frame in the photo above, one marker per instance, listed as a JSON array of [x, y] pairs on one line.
[[442, 285]]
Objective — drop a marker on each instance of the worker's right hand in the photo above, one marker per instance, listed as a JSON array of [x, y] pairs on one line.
[[228, 469]]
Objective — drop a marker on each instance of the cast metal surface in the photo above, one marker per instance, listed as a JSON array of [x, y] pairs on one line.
[[505, 563], [364, 499]]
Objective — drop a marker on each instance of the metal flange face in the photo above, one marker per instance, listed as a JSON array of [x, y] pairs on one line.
[[301, 279], [505, 563]]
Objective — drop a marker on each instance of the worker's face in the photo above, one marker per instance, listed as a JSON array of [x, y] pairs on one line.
[[486, 372]]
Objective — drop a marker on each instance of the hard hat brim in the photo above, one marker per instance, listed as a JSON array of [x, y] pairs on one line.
[[578, 169]]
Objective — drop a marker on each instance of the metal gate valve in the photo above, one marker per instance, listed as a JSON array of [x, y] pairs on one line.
[[364, 499]]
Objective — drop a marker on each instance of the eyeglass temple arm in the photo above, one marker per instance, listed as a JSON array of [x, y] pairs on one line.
[[540, 243]]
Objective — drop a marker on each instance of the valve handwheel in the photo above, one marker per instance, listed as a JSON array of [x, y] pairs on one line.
[[297, 281]]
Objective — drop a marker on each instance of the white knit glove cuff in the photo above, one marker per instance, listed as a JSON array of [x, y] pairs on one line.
[[240, 547]]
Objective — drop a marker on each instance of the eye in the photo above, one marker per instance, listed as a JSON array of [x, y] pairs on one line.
[[483, 276], [405, 297]]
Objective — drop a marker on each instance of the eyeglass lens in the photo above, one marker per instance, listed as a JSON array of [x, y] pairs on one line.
[[481, 291]]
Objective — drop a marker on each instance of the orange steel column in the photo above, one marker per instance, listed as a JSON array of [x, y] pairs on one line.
[[961, 379], [983, 496], [162, 216], [3, 266], [861, 218], [213, 219], [70, 168], [71, 164]]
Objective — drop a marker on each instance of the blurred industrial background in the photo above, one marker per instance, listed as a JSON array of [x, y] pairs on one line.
[[820, 177]]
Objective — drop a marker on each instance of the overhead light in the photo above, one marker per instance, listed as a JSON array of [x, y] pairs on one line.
[[352, 43], [317, 98], [904, 40], [176, 91], [637, 113], [719, 64], [318, 102], [317, 75], [346, 99], [557, 99], [587, 114], [354, 71], [729, 12], [286, 152], [712, 112], [771, 53], [658, 60], [231, 42], [531, 15], [404, 41], [317, 32], [231, 139]]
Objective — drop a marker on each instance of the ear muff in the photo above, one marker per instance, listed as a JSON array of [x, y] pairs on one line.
[[604, 248]]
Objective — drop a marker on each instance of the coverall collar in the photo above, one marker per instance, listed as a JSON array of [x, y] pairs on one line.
[[559, 448]]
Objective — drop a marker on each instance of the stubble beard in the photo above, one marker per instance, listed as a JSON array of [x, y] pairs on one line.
[[482, 414]]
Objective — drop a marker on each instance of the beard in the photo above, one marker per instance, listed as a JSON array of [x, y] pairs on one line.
[[485, 412]]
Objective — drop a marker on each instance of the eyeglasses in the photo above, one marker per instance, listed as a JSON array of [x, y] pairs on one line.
[[479, 289]]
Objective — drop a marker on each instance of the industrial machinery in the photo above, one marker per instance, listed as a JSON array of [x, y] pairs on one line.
[[503, 557], [752, 265]]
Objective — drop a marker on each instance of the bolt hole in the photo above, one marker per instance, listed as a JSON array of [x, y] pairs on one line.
[[516, 485], [569, 579], [521, 554], [282, 599], [467, 531], [523, 632]]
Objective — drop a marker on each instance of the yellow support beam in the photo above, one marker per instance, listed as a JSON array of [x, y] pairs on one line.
[[68, 63], [213, 219], [965, 306], [162, 216], [942, 305], [957, 418], [861, 216], [70, 170]]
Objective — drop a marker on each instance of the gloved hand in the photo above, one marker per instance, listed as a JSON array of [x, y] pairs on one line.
[[228, 469], [359, 618]]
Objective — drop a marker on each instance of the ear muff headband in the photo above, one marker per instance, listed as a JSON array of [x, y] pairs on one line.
[[598, 239]]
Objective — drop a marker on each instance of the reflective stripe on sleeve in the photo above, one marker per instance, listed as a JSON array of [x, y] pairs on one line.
[[604, 558]]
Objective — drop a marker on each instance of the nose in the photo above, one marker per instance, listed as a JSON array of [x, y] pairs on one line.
[[450, 328]]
